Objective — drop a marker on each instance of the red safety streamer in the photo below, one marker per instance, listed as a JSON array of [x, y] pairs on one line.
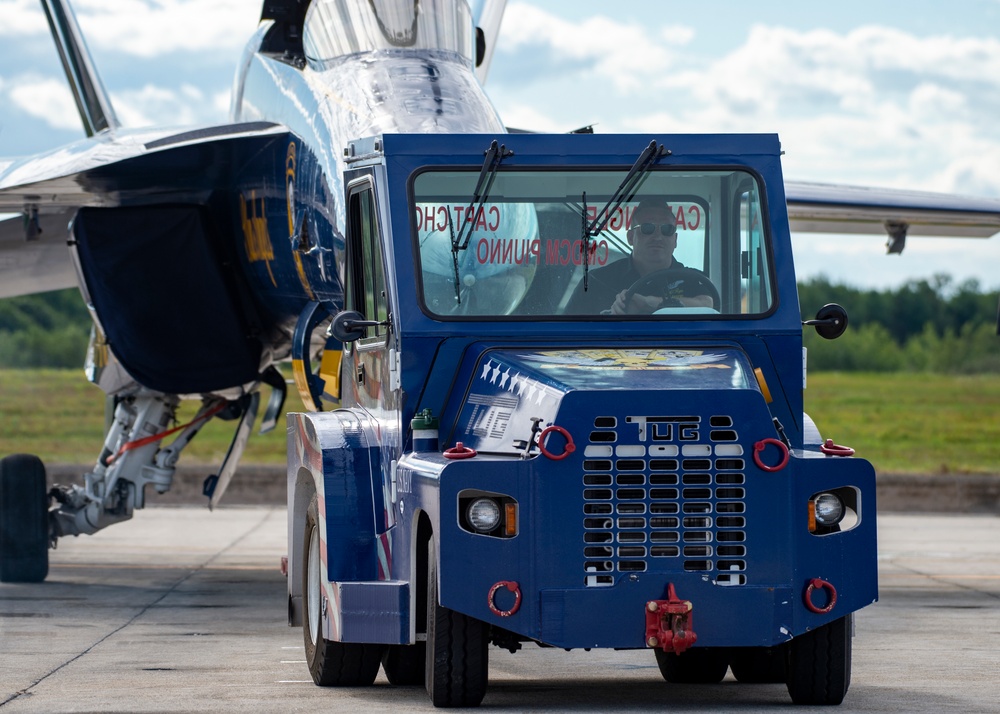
[[164, 434]]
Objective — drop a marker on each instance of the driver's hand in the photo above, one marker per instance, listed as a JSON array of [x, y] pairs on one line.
[[697, 301], [638, 305]]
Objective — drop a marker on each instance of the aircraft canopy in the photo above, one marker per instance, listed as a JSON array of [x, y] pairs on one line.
[[335, 28]]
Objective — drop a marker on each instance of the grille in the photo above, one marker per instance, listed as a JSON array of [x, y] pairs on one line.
[[664, 494]]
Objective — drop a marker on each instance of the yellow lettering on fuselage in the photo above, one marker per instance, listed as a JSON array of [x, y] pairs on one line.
[[256, 238]]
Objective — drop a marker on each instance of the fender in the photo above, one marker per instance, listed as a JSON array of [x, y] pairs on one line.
[[331, 455]]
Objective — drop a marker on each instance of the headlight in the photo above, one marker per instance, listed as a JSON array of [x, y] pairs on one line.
[[829, 509], [483, 514]]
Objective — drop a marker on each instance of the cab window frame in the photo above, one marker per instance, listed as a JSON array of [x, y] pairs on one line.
[[721, 218]]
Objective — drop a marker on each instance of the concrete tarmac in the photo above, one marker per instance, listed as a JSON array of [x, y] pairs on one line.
[[182, 610]]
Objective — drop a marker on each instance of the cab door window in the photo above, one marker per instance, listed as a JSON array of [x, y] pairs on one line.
[[366, 291], [756, 284]]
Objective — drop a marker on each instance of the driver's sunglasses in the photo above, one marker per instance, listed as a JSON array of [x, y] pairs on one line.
[[648, 229]]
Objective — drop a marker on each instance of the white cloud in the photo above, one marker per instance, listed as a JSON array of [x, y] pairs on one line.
[[46, 98], [22, 18], [605, 48], [145, 28], [159, 106], [525, 116], [148, 29], [873, 105], [50, 100]]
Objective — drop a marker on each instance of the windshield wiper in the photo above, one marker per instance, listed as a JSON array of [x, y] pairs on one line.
[[625, 192], [494, 155]]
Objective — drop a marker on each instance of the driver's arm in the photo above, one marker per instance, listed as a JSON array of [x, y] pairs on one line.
[[639, 304], [646, 304]]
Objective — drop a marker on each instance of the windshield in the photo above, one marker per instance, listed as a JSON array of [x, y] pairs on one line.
[[334, 28], [689, 244]]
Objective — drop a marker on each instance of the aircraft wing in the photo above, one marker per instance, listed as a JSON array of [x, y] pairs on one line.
[[109, 169], [828, 208]]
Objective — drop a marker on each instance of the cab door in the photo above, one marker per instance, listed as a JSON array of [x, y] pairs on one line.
[[367, 361]]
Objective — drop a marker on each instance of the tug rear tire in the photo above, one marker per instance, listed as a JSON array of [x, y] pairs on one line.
[[704, 665], [819, 664], [24, 520], [457, 650], [760, 665], [331, 664], [405, 665]]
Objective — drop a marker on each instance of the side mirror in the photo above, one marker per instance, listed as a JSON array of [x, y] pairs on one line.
[[830, 322], [350, 325]]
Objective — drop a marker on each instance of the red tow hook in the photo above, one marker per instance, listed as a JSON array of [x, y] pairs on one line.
[[459, 451], [831, 449], [669, 623]]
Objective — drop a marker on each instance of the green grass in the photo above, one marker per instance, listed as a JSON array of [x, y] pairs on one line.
[[59, 415], [911, 422], [902, 422]]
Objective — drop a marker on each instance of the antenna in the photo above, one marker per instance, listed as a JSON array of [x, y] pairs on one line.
[[92, 99]]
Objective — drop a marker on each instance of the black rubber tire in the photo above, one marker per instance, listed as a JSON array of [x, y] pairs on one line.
[[24, 520], [405, 665], [331, 664], [819, 664], [457, 650], [703, 665], [760, 665]]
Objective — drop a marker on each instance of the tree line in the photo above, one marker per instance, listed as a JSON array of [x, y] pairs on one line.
[[924, 325], [45, 330]]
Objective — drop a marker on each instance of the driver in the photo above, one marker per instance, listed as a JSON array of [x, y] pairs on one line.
[[653, 237]]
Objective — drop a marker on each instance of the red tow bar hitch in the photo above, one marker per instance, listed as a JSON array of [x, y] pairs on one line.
[[669, 623]]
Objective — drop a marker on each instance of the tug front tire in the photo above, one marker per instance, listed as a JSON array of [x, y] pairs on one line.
[[819, 664], [24, 520], [457, 650], [331, 664], [696, 666]]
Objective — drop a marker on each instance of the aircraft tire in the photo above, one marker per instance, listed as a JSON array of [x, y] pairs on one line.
[[819, 664], [331, 664], [457, 650], [24, 520], [760, 665], [696, 666]]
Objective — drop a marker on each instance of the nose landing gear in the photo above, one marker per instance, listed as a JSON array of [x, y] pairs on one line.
[[24, 520]]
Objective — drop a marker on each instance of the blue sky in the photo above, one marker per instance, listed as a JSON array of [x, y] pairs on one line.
[[869, 93]]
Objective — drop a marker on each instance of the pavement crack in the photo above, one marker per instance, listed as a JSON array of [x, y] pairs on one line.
[[170, 590], [945, 579]]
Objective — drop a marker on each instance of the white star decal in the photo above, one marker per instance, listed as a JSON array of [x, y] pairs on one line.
[[486, 370], [504, 378], [513, 382], [496, 373]]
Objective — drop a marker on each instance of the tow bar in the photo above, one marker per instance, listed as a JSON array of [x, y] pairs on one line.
[[669, 623]]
